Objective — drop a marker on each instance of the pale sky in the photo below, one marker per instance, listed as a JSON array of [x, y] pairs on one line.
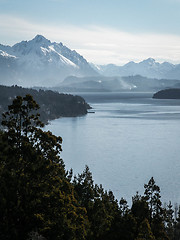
[[114, 31]]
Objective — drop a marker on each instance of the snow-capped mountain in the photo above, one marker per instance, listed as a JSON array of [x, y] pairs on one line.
[[147, 68], [40, 62]]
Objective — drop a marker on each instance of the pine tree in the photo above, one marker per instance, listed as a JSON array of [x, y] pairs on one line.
[[35, 194], [145, 232], [169, 219], [177, 226], [152, 196], [140, 208]]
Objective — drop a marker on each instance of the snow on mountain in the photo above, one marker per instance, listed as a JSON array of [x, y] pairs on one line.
[[42, 62], [41, 49], [6, 55], [147, 68], [7, 68]]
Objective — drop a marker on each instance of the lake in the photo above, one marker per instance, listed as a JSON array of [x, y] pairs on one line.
[[130, 138]]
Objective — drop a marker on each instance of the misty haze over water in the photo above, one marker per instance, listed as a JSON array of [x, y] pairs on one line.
[[130, 138]]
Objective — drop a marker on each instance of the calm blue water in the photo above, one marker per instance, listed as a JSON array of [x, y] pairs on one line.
[[130, 138]]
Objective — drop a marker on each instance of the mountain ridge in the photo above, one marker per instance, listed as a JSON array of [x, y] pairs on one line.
[[135, 83], [146, 68], [41, 62]]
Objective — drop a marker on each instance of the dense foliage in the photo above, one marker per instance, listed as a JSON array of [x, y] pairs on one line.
[[171, 93], [39, 199], [52, 104]]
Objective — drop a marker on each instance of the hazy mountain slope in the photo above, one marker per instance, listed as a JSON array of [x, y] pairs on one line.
[[40, 62], [129, 83]]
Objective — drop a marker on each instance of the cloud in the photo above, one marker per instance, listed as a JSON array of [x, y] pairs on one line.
[[97, 44]]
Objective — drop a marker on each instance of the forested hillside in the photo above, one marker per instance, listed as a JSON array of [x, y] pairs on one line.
[[39, 199], [52, 104], [171, 93]]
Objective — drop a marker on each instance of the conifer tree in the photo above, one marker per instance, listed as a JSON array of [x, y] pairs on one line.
[[35, 195], [177, 226], [152, 196], [157, 213], [169, 219], [145, 232], [140, 208]]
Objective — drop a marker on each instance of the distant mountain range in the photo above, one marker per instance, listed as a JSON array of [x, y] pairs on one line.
[[147, 68], [113, 84], [40, 62]]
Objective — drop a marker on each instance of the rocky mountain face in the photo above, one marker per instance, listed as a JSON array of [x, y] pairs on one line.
[[147, 68], [40, 62]]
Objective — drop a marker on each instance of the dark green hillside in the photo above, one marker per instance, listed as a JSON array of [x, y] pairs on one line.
[[172, 93], [52, 104]]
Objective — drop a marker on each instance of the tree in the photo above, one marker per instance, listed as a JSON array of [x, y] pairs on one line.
[[157, 213], [152, 196], [169, 220], [140, 211], [85, 188], [145, 232], [177, 226], [102, 207], [20, 120], [140, 208], [124, 208], [35, 195]]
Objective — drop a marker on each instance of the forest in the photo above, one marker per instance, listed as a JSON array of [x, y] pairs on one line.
[[52, 104], [170, 93], [41, 200]]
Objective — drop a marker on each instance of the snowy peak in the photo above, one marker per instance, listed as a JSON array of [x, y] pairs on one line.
[[42, 62], [37, 40], [32, 46], [40, 47], [43, 50], [41, 39], [147, 68], [149, 61], [130, 63]]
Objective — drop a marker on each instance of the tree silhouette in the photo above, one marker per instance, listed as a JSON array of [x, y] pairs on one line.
[[35, 194], [39, 199], [157, 213], [145, 232]]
